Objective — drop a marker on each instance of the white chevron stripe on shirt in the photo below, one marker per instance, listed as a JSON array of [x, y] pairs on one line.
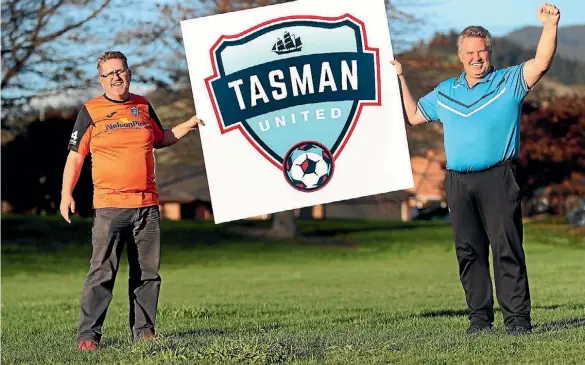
[[474, 111]]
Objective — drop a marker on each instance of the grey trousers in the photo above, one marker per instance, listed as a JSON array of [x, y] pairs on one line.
[[139, 228]]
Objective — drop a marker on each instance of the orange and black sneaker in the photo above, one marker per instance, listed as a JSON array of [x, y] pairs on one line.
[[87, 345]]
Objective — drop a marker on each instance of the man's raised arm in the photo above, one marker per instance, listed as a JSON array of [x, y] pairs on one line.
[[535, 68], [413, 116]]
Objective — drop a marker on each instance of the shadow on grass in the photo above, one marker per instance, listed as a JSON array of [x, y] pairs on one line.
[[332, 232], [195, 333], [464, 312], [114, 342], [560, 306], [560, 324], [119, 342], [444, 313], [28, 234]]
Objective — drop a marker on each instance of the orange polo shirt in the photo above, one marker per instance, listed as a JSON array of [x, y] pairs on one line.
[[120, 135]]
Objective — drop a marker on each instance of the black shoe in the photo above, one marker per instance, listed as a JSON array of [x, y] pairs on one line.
[[517, 330], [478, 328]]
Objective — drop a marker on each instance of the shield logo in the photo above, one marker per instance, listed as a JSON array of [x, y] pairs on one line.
[[294, 87], [135, 110]]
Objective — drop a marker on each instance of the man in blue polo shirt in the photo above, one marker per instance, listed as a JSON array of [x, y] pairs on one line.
[[480, 111]]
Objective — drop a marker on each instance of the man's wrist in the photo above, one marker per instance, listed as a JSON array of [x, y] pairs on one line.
[[550, 26]]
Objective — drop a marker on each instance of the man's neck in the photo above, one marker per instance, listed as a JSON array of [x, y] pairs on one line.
[[471, 81], [118, 97]]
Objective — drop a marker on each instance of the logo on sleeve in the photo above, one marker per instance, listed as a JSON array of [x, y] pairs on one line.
[[73, 139], [295, 87]]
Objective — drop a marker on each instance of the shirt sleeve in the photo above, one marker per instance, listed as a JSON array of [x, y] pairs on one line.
[[157, 127], [81, 135], [428, 106], [515, 81]]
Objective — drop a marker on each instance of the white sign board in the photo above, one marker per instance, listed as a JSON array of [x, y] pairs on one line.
[[301, 105]]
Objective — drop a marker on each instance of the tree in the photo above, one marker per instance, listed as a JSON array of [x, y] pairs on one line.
[[552, 153], [50, 47], [35, 59], [32, 167]]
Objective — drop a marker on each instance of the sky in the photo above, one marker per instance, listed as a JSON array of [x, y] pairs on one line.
[[498, 16]]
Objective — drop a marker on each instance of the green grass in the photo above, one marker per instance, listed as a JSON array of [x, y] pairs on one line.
[[351, 293]]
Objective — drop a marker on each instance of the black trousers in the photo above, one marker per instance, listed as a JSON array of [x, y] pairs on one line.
[[139, 228], [485, 208]]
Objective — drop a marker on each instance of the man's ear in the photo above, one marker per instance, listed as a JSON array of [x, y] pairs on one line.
[[459, 56]]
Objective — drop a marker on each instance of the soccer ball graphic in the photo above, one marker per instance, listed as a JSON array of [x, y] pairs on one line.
[[308, 166]]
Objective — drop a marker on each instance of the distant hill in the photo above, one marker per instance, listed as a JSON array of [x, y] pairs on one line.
[[571, 40], [564, 70]]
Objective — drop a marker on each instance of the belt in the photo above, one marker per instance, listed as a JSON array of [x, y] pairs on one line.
[[501, 163]]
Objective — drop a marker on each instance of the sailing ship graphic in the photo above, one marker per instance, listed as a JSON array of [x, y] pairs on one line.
[[287, 44]]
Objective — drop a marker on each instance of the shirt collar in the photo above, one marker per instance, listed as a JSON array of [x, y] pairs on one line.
[[116, 101], [487, 78]]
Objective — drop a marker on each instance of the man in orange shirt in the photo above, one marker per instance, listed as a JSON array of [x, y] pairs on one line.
[[120, 130]]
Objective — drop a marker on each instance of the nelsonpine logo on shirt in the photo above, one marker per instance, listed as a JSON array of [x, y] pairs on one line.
[[295, 87], [125, 123]]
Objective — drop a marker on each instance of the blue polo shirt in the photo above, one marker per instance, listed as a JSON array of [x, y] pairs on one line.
[[481, 124]]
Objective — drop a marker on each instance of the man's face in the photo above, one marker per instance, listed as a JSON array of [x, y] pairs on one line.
[[475, 56], [117, 81]]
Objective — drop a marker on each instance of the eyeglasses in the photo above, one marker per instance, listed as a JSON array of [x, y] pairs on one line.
[[116, 72]]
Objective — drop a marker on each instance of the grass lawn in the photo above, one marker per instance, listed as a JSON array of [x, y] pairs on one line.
[[351, 293]]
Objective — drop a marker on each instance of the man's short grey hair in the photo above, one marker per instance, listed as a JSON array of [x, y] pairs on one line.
[[109, 55], [475, 31]]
